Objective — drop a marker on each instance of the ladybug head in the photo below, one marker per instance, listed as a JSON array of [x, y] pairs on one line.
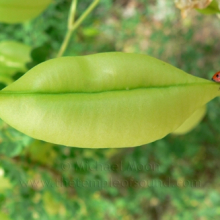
[[216, 77]]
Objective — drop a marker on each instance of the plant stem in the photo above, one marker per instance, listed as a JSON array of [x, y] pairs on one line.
[[71, 18], [64, 44], [72, 25]]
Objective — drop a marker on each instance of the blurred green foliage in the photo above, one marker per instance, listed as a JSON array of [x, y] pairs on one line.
[[213, 8], [173, 178]]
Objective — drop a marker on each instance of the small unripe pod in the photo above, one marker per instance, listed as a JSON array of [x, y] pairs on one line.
[[13, 58]]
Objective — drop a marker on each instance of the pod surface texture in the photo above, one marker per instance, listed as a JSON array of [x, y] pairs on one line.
[[103, 100]]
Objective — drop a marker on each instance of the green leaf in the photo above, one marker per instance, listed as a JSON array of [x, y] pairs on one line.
[[103, 100], [212, 8], [4, 184], [90, 31], [191, 122], [16, 11], [41, 152], [39, 55], [4, 181], [4, 216], [52, 206], [12, 142]]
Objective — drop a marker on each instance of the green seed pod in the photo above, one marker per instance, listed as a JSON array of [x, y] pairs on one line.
[[16, 11], [14, 55], [13, 58], [191, 122], [103, 100]]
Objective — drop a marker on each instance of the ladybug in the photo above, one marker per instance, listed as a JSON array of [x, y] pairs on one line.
[[216, 77]]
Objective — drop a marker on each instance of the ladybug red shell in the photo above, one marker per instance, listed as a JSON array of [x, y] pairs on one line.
[[216, 77]]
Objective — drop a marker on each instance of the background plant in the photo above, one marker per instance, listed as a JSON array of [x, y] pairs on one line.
[[181, 171]]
